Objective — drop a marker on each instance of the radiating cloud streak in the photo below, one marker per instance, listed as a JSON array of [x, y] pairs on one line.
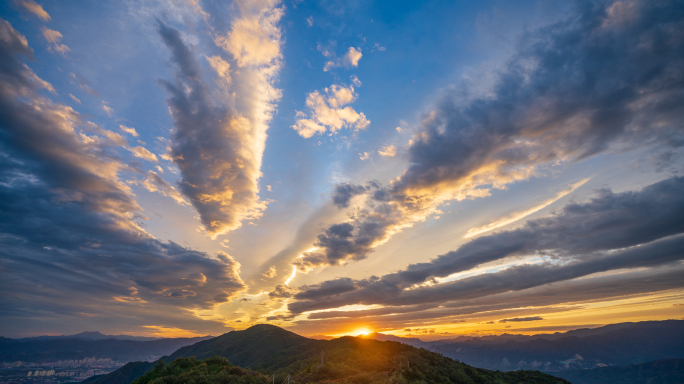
[[611, 232], [212, 146], [218, 142], [594, 83], [522, 214]]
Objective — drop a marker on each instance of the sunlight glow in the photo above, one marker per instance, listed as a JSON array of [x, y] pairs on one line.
[[292, 276]]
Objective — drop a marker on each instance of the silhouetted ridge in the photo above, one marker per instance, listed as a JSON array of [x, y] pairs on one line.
[[261, 346], [273, 350]]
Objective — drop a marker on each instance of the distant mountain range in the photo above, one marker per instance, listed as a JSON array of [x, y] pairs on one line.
[[273, 350], [93, 335], [669, 371], [612, 345], [53, 348]]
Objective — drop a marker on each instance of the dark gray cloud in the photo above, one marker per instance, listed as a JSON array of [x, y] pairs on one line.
[[71, 234], [281, 292], [353, 240], [519, 319], [327, 289], [545, 299], [343, 193], [584, 238], [214, 147], [609, 78]]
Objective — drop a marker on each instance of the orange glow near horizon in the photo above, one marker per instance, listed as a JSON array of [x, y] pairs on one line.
[[168, 332]]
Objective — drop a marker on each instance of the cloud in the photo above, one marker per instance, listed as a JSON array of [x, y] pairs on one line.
[[310, 21], [144, 154], [221, 67], [610, 232], [364, 156], [217, 150], [522, 214], [618, 89], [34, 8], [352, 57], [74, 98], [54, 37], [128, 130], [271, 273], [155, 183], [107, 109], [219, 137], [349, 60], [388, 151], [254, 38], [535, 299], [343, 193], [70, 229], [84, 84], [519, 319], [327, 112], [281, 292]]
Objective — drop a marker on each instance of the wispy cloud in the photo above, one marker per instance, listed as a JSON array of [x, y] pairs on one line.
[[54, 37], [129, 130], [388, 151], [522, 214], [35, 9]]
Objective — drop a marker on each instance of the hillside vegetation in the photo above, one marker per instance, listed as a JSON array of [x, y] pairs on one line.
[[214, 370]]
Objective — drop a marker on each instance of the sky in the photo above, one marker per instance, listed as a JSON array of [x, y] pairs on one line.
[[424, 169]]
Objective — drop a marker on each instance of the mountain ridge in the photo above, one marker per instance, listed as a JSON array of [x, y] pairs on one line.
[[273, 350]]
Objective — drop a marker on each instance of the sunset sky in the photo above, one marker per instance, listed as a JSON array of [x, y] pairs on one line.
[[420, 168]]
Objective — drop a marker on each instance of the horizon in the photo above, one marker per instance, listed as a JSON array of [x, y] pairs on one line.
[[368, 334], [419, 169]]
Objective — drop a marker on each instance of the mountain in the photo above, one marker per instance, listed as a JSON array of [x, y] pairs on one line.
[[261, 346], [89, 336], [668, 371], [618, 345], [72, 349], [273, 350]]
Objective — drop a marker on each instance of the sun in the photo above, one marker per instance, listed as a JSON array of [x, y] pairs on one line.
[[361, 332]]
